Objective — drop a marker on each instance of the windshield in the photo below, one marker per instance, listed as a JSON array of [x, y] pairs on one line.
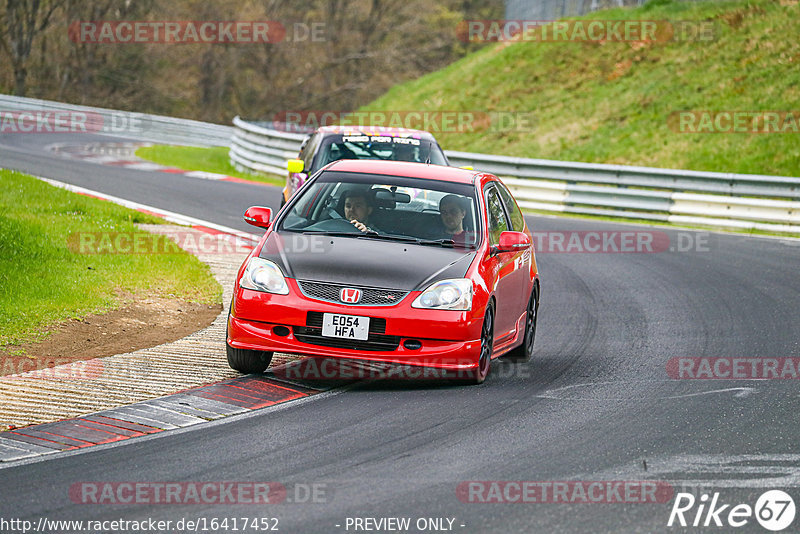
[[386, 147], [426, 212]]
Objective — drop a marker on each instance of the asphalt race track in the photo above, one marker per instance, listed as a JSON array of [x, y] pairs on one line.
[[596, 403]]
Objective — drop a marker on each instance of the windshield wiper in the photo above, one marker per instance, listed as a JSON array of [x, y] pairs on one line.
[[372, 234], [355, 232], [439, 242], [390, 237], [426, 242], [447, 243]]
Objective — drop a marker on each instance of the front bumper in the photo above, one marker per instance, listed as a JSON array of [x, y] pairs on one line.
[[289, 323]]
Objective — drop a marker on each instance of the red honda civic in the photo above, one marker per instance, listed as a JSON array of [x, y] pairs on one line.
[[392, 262]]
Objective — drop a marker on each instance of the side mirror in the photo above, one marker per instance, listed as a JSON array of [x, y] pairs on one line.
[[258, 216], [295, 165], [513, 241], [467, 167]]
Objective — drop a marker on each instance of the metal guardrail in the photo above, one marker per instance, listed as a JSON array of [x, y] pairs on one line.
[[743, 201], [86, 119], [262, 150]]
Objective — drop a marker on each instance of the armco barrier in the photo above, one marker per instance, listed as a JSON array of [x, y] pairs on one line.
[[131, 125], [743, 201], [258, 149]]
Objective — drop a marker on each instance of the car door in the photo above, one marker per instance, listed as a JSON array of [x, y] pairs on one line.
[[502, 266], [522, 258]]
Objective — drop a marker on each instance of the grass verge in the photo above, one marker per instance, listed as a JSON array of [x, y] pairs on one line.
[[44, 281], [192, 158]]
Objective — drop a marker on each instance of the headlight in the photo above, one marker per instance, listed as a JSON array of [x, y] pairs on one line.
[[446, 295], [263, 275]]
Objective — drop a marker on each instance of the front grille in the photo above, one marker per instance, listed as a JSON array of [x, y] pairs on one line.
[[377, 340], [369, 296]]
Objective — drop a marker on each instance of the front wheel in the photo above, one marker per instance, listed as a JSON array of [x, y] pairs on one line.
[[248, 361], [478, 375], [524, 352]]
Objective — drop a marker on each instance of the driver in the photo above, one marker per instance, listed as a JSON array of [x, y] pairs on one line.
[[358, 206], [405, 153]]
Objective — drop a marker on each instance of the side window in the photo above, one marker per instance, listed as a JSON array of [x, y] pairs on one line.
[[497, 215], [304, 147], [517, 220], [308, 152]]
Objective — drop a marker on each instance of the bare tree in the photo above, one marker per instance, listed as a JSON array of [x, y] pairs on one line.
[[363, 48], [21, 22]]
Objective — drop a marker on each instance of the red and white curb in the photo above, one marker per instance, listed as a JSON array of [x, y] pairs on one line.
[[184, 409]]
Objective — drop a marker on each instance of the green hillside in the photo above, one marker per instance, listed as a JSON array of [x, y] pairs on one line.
[[615, 102]]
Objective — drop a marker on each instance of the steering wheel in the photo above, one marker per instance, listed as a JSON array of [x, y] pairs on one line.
[[333, 225]]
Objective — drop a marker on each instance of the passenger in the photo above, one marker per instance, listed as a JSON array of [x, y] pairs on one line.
[[452, 210]]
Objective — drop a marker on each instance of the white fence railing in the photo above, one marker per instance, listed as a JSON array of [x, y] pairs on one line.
[[263, 150], [744, 201], [45, 116]]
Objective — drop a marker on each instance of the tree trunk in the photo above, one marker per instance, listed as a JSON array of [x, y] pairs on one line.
[[20, 75]]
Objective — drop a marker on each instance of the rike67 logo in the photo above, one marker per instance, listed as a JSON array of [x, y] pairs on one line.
[[774, 510]]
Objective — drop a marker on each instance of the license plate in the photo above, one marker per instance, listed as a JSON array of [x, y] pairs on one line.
[[345, 326]]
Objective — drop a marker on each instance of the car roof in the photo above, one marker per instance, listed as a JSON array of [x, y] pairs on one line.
[[376, 130], [404, 168]]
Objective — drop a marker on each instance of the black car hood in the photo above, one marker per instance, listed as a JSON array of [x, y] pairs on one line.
[[363, 261]]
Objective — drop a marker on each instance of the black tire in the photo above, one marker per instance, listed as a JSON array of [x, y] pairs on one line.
[[478, 375], [248, 361], [524, 352]]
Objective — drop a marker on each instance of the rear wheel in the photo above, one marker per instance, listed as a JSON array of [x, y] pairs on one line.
[[524, 352], [478, 375], [248, 361]]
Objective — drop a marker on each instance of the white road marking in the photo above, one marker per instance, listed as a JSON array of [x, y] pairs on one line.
[[742, 392], [688, 472]]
